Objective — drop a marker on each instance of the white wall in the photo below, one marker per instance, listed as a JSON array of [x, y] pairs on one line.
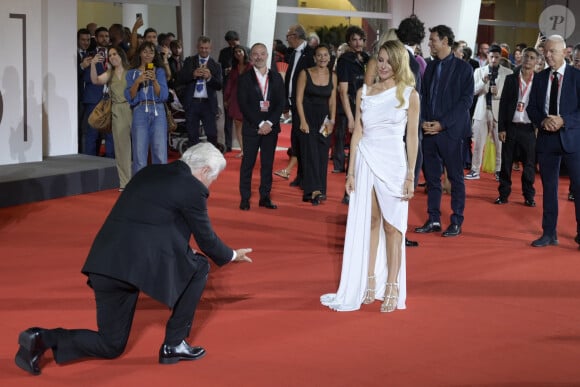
[[59, 60], [14, 148]]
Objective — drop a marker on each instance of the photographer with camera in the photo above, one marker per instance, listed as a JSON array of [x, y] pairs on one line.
[[488, 85]]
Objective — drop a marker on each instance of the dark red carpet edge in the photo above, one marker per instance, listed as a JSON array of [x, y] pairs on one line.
[[484, 309]]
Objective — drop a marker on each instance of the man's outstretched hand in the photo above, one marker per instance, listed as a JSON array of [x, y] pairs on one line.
[[241, 255]]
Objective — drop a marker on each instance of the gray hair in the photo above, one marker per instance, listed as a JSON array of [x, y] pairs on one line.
[[557, 39], [203, 155]]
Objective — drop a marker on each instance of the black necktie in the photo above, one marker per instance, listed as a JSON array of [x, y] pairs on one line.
[[553, 107], [435, 87]]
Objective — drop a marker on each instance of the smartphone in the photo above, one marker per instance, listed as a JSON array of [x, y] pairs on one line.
[[139, 16], [102, 51], [150, 66]]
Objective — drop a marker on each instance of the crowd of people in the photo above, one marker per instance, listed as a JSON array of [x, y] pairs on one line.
[[401, 115]]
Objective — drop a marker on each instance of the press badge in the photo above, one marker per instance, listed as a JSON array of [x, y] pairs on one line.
[[520, 107], [264, 106]]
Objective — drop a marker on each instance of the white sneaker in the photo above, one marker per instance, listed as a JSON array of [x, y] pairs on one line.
[[472, 175]]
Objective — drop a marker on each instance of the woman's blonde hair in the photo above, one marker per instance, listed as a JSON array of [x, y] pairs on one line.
[[399, 61]]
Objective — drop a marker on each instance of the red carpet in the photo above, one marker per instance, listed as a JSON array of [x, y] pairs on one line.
[[484, 309]]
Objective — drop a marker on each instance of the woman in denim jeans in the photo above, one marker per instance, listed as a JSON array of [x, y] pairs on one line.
[[147, 92]]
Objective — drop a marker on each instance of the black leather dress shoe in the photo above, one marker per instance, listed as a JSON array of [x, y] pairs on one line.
[[316, 200], [244, 205], [452, 230], [31, 349], [530, 203], [500, 200], [345, 199], [410, 243], [428, 227], [544, 241], [171, 354], [266, 202]]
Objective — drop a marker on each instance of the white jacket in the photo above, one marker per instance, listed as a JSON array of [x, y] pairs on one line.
[[481, 89]]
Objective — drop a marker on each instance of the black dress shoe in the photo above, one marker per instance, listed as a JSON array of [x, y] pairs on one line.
[[429, 226], [345, 199], [322, 197], [410, 243], [571, 196], [500, 200], [266, 202], [338, 171], [544, 241], [31, 349], [316, 200], [452, 230], [530, 203], [577, 239], [171, 354], [245, 205]]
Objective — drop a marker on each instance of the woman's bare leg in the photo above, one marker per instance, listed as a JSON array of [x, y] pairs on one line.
[[374, 244]]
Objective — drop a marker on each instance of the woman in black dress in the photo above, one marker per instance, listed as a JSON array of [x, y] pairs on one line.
[[316, 105]]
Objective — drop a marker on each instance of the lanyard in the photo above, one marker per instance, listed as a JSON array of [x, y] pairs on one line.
[[263, 89], [523, 92]]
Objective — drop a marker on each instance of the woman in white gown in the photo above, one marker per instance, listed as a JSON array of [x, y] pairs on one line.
[[381, 173]]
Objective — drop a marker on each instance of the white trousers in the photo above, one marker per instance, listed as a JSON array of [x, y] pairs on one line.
[[481, 128]]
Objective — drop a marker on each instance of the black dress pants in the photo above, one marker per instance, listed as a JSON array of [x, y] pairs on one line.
[[521, 140], [116, 301]]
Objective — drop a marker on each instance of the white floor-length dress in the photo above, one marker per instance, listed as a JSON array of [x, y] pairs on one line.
[[381, 163]]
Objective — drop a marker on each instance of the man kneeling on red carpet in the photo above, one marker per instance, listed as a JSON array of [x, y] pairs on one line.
[[144, 246]]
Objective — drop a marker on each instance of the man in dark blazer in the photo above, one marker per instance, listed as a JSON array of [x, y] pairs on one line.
[[83, 64], [300, 58], [144, 246], [447, 94], [554, 108], [516, 131], [201, 77], [261, 100]]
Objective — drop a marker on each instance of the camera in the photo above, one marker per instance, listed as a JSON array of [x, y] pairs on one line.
[[139, 16]]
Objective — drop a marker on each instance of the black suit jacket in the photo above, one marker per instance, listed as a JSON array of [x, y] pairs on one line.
[[249, 97], [453, 99], [306, 61], [568, 109], [145, 239], [508, 104], [185, 78]]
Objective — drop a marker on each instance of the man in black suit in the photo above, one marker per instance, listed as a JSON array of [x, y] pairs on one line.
[[201, 76], [301, 57], [447, 94], [261, 100], [516, 131], [554, 108], [144, 246], [83, 64]]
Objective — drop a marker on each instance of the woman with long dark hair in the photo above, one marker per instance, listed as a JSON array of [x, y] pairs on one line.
[[115, 78], [240, 64], [147, 92]]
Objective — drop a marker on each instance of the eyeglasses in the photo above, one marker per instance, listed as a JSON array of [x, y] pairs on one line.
[[289, 35]]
